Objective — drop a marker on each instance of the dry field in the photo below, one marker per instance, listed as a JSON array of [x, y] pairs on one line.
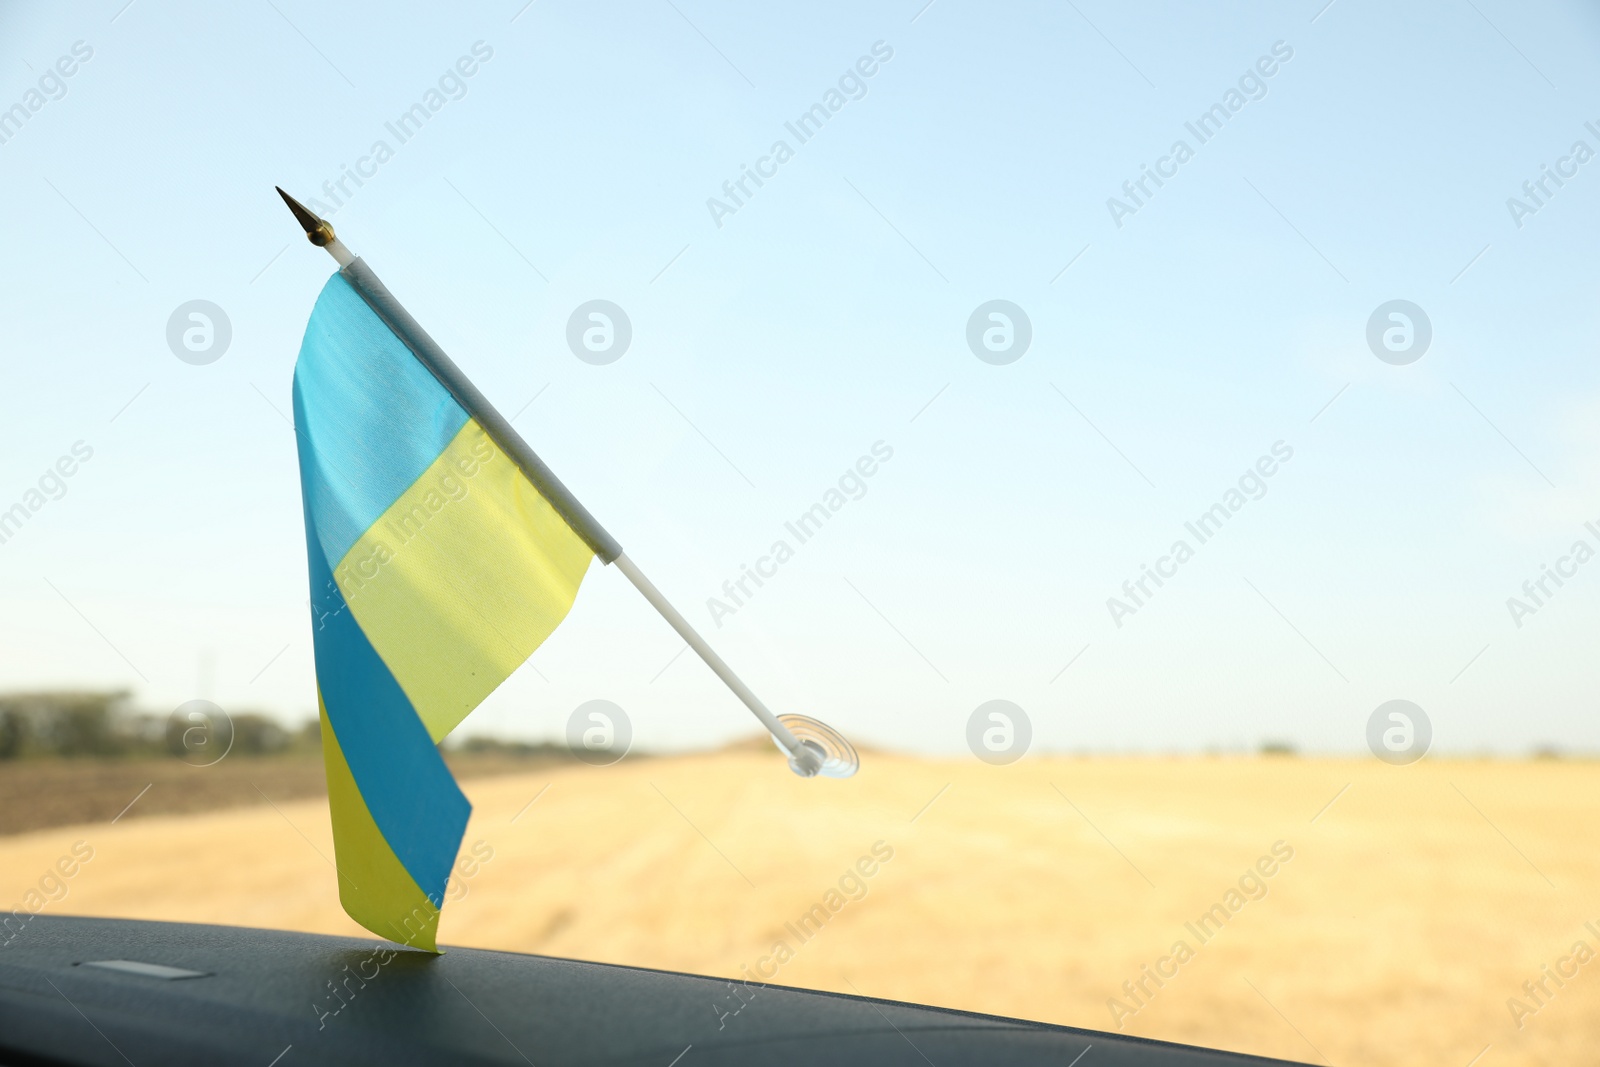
[[35, 794], [1413, 907]]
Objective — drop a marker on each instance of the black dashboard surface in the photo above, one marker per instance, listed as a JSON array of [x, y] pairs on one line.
[[277, 999]]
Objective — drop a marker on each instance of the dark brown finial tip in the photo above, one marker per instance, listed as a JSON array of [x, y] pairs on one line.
[[318, 231]]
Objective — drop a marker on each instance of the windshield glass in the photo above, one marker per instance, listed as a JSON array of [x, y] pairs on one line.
[[1162, 441]]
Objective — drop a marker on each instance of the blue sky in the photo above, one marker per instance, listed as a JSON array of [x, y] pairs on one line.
[[828, 313]]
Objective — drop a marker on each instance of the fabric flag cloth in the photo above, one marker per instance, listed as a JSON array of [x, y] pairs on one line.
[[436, 569]]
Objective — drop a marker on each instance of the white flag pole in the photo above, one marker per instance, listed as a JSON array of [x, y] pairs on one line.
[[786, 740], [812, 747]]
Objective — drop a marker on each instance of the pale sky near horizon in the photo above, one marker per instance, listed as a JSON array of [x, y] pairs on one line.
[[775, 345]]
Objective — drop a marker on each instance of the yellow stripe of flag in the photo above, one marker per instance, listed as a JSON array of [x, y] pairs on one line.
[[462, 578]]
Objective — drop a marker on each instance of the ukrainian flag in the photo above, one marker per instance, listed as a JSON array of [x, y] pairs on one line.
[[437, 566]]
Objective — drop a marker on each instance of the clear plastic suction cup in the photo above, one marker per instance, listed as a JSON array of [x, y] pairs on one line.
[[838, 756]]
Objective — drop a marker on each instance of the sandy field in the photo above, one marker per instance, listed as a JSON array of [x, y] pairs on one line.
[[1364, 914], [36, 794]]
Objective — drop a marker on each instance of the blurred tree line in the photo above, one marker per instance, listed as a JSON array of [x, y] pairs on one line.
[[481, 745], [74, 724]]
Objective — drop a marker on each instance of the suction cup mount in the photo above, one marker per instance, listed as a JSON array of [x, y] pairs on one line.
[[833, 756]]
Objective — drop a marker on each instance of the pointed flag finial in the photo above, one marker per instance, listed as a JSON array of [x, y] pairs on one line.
[[318, 231]]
